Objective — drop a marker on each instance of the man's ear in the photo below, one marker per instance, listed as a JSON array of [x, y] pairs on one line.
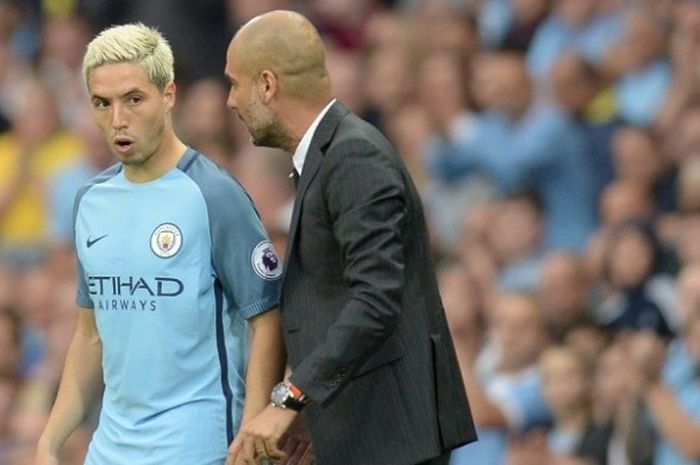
[[268, 85], [169, 94]]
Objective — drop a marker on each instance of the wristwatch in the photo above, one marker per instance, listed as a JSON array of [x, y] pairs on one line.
[[286, 395]]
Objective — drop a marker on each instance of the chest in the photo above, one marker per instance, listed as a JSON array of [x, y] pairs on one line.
[[151, 233]]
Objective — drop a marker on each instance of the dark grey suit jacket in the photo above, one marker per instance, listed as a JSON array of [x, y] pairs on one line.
[[365, 330]]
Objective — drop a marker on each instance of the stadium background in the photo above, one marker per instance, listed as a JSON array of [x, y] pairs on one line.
[[557, 147]]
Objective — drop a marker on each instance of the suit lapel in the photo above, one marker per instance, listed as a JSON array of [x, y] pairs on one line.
[[314, 157]]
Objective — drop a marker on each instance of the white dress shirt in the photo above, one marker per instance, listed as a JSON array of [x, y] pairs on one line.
[[302, 149]]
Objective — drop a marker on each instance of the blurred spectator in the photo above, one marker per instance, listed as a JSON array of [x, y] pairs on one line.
[[343, 21], [581, 90], [527, 17], [684, 52], [464, 310], [638, 296], [441, 92], [389, 82], [638, 159], [205, 122], [674, 402], [30, 154], [618, 409], [34, 305], [515, 239], [445, 29], [574, 437], [644, 73], [494, 19], [686, 245], [563, 293], [17, 28], [264, 173], [63, 42], [344, 70], [622, 202], [521, 146], [578, 26], [13, 59], [685, 142], [503, 382]]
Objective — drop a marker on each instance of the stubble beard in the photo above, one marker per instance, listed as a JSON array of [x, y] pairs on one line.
[[265, 129]]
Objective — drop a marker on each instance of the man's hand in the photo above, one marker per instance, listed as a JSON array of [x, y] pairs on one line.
[[259, 439]]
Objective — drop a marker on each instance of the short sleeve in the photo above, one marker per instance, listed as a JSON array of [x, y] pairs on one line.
[[83, 298], [244, 259]]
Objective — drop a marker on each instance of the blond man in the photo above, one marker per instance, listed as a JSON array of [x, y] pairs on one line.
[[173, 261]]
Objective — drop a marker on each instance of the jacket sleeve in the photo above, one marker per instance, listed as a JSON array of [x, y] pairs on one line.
[[365, 195]]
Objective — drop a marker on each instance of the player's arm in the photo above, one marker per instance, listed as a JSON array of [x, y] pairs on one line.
[[81, 380], [266, 366], [266, 362]]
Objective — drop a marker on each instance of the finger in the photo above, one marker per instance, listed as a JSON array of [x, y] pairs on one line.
[[248, 452], [260, 448], [272, 450], [233, 451]]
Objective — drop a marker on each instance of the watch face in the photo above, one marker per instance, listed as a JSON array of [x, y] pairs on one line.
[[279, 394]]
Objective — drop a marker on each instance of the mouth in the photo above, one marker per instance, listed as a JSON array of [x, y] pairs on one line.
[[123, 144]]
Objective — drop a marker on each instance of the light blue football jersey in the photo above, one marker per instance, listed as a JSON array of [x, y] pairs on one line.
[[172, 268]]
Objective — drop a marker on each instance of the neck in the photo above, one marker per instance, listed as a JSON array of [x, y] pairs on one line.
[[303, 117], [164, 159]]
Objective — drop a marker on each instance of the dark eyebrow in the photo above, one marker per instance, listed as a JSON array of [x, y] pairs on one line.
[[129, 92], [133, 90]]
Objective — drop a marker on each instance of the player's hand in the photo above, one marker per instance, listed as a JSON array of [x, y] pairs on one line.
[[259, 438]]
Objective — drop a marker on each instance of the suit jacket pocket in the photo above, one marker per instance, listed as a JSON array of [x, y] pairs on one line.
[[388, 352]]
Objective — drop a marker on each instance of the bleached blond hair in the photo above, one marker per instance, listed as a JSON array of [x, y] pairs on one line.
[[132, 43]]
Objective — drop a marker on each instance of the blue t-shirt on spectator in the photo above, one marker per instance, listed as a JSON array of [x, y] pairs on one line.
[[641, 93], [543, 152]]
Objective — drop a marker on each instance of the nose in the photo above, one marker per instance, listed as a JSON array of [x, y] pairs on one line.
[[231, 100], [119, 120]]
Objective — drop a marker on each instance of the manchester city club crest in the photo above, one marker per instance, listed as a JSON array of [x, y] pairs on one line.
[[166, 240], [265, 261]]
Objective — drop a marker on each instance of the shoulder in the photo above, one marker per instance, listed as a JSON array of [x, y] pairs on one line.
[[102, 177], [220, 190], [357, 136]]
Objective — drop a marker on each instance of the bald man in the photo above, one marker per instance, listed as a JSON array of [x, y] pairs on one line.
[[373, 366]]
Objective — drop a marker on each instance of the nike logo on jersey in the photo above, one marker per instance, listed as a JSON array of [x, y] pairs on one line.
[[92, 242]]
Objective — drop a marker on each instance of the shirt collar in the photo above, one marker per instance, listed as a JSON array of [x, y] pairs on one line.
[[302, 149]]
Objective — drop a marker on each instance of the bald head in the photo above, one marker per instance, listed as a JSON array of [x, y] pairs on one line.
[[287, 44]]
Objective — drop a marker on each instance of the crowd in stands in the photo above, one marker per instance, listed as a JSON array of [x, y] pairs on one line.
[[556, 144]]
